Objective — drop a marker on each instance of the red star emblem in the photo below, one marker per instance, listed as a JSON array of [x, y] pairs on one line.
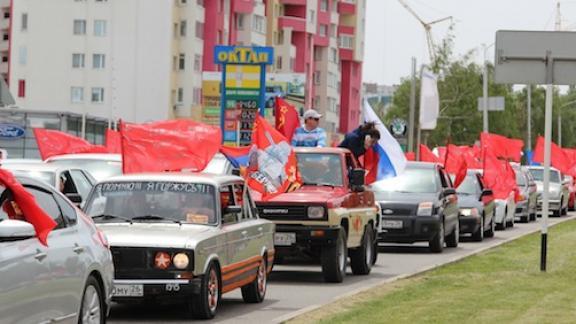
[[162, 260]]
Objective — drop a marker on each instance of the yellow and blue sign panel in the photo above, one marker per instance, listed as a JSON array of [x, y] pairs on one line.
[[243, 89]]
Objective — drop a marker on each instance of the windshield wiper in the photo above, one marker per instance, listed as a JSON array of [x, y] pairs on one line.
[[156, 217], [107, 216], [318, 184]]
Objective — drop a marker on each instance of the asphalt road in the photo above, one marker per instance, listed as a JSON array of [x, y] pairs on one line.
[[294, 288]]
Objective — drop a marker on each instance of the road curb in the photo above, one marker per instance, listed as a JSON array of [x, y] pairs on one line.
[[422, 270]]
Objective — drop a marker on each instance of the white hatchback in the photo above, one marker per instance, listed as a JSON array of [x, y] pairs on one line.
[[70, 281]]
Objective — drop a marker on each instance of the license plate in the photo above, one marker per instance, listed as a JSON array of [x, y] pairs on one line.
[[128, 291], [284, 239], [391, 224]]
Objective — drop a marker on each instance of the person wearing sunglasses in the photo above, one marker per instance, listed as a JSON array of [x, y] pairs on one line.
[[310, 135]]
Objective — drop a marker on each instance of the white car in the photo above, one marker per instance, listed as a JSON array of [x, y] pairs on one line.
[[100, 165], [505, 210], [68, 281]]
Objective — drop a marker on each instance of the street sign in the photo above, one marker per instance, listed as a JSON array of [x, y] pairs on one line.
[[521, 57], [494, 103], [528, 57]]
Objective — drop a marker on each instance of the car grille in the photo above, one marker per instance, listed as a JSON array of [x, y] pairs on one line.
[[283, 212], [138, 262], [130, 258], [391, 209]]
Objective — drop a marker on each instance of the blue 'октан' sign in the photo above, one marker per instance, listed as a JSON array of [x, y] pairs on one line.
[[253, 55]]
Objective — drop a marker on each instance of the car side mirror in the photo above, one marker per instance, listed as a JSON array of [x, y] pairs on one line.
[[233, 210], [15, 230], [357, 179], [566, 181], [486, 193], [75, 198], [236, 172], [448, 191]]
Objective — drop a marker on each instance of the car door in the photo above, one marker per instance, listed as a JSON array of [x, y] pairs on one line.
[[66, 281], [82, 183], [449, 203], [487, 201], [25, 280]]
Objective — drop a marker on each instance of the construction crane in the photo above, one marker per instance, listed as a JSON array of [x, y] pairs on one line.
[[427, 28]]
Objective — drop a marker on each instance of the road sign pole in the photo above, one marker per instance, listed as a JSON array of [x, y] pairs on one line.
[[485, 93], [529, 119], [547, 144], [411, 122]]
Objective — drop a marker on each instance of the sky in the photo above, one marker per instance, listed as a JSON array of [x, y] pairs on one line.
[[393, 35]]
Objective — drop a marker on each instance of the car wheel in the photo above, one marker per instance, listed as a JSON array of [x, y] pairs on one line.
[[511, 223], [334, 259], [375, 254], [454, 237], [361, 258], [92, 308], [436, 245], [532, 217], [205, 303], [490, 232], [478, 236], [255, 291]]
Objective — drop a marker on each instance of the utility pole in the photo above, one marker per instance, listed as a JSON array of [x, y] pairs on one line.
[[558, 27], [485, 89], [529, 119], [411, 122]]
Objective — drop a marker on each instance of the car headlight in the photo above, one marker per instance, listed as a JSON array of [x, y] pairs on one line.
[[315, 212], [425, 208], [180, 261], [469, 212]]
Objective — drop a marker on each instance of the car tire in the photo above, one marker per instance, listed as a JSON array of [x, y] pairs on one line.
[[533, 217], [255, 291], [490, 232], [453, 239], [361, 258], [204, 304], [92, 307], [436, 244], [334, 259], [375, 254], [478, 236]]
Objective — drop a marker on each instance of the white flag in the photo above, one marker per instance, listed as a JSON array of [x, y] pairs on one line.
[[429, 100]]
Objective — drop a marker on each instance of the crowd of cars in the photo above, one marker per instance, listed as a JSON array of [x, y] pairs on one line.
[[192, 237]]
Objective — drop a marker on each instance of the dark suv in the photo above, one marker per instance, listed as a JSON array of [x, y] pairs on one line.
[[419, 205]]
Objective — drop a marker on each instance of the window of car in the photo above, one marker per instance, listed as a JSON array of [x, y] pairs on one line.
[[46, 201], [520, 178], [82, 183], [320, 169], [444, 179], [68, 211], [469, 186], [412, 180], [227, 200]]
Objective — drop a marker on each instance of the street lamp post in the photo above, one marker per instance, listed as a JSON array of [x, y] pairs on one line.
[[485, 88]]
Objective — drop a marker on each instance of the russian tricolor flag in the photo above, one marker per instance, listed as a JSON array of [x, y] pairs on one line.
[[238, 156], [386, 159]]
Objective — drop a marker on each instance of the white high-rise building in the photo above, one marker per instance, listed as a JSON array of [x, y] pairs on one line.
[[136, 60]]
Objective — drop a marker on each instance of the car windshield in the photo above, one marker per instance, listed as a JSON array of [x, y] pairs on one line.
[[99, 169], [153, 201], [469, 186], [44, 176], [539, 175], [412, 180], [320, 169]]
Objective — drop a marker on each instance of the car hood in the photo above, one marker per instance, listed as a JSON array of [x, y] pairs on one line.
[[404, 197], [468, 201], [307, 194], [553, 186], [154, 235]]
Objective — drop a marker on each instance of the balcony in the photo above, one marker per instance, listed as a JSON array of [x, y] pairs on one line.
[[294, 2], [345, 30], [296, 23], [347, 8], [243, 6]]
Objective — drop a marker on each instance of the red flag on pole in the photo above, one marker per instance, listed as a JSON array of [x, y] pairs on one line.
[[455, 164], [168, 146], [113, 141], [410, 156], [497, 176], [273, 168], [31, 211], [52, 142], [426, 155], [502, 146], [287, 118], [558, 158]]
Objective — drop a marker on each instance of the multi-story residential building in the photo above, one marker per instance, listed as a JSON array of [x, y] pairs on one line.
[[324, 39], [137, 60]]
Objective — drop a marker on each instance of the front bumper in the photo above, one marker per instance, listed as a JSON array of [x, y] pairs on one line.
[[158, 288], [307, 238], [553, 205], [469, 224], [413, 229], [522, 209]]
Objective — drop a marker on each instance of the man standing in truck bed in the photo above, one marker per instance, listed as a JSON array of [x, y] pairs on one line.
[[310, 135]]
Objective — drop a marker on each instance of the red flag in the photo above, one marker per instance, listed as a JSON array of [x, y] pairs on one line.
[[426, 155], [470, 154], [497, 176], [441, 153], [287, 118], [455, 164], [113, 141], [558, 157], [52, 142], [502, 146], [31, 211], [168, 146], [410, 156], [273, 168]]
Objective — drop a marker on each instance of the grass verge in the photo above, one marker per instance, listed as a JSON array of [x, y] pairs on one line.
[[501, 285]]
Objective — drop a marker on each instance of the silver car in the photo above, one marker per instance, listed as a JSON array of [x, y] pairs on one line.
[[100, 165], [558, 192], [69, 281], [183, 236]]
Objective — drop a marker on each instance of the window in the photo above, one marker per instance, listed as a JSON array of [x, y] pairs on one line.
[[23, 55], [346, 41], [333, 55], [316, 77], [174, 63], [333, 30], [227, 200], [199, 2], [6, 36], [7, 14], [240, 21], [197, 62], [200, 30], [4, 58], [48, 204], [98, 61], [77, 94], [24, 22], [77, 60], [100, 28], [323, 5], [183, 28], [21, 88], [317, 54], [323, 30], [82, 184], [197, 96], [312, 16], [182, 62], [97, 95], [79, 27], [259, 24], [279, 62], [67, 210], [180, 96]]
